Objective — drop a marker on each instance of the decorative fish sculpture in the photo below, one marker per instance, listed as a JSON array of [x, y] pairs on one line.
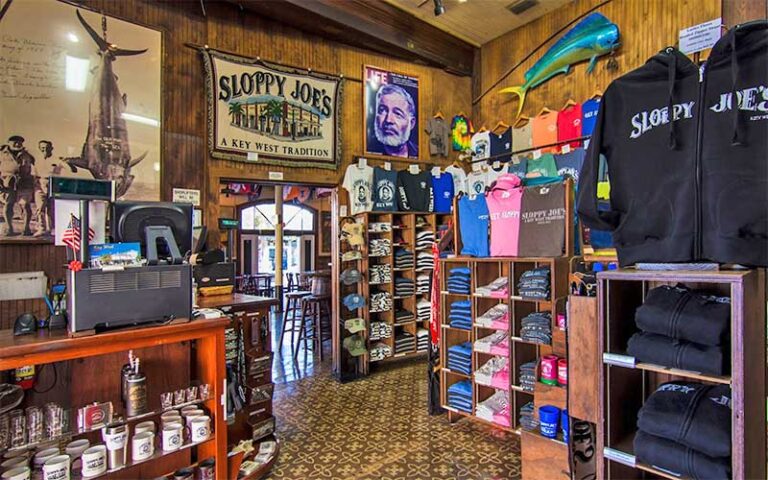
[[589, 39], [106, 152]]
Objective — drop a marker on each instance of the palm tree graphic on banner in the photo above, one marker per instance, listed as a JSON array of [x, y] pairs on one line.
[[275, 112]]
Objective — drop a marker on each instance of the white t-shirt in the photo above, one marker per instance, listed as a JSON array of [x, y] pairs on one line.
[[476, 182], [481, 145], [359, 183], [459, 179]]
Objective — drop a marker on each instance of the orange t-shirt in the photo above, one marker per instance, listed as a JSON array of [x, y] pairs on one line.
[[545, 130]]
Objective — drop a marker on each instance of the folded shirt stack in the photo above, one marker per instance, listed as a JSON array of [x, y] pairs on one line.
[[460, 315], [405, 342], [424, 239], [403, 316], [380, 351], [423, 282], [685, 428], [381, 302], [496, 344], [528, 376], [379, 247], [683, 328], [403, 258], [423, 310], [496, 317], [460, 396], [495, 408], [458, 280], [495, 373], [536, 327], [404, 287], [460, 358], [425, 261], [422, 340], [380, 330], [379, 227], [380, 273], [498, 288], [528, 418], [534, 283]]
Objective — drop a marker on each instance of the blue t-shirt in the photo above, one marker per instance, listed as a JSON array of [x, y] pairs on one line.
[[442, 188], [589, 115], [473, 226], [569, 164], [384, 190]]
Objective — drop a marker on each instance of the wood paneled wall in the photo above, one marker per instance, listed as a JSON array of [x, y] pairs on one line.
[[645, 27]]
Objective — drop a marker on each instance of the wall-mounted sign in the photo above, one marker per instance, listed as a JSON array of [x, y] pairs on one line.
[[391, 113], [228, 224], [700, 37], [186, 195], [286, 116]]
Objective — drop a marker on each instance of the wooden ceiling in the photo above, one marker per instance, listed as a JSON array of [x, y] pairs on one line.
[[476, 21]]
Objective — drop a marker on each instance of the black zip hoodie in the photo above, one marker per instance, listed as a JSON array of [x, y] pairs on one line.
[[689, 175]]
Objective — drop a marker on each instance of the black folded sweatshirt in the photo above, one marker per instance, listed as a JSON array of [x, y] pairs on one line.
[[668, 352], [678, 312], [671, 456], [688, 171], [695, 415]]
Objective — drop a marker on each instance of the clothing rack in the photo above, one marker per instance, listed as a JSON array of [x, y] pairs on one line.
[[526, 150]]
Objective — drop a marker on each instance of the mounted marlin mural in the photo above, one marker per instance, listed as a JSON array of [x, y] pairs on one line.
[[589, 39], [106, 152]]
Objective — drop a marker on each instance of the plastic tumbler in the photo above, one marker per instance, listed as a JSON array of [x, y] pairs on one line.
[[549, 418]]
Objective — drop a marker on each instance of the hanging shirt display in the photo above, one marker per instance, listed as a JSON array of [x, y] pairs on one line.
[[542, 221], [504, 201], [358, 181], [589, 115], [442, 188], [477, 180], [414, 191], [473, 225], [501, 143], [545, 130], [522, 137], [384, 190], [461, 133], [459, 179], [518, 165], [491, 174], [544, 166], [569, 164], [439, 136], [481, 145], [569, 124]]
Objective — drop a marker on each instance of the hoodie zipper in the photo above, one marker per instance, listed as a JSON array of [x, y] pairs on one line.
[[697, 164]]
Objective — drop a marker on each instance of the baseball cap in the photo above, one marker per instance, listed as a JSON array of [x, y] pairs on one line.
[[355, 344], [353, 233], [353, 301], [351, 255], [350, 276], [354, 325]]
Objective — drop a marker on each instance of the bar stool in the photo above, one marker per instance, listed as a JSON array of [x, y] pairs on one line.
[[312, 309], [291, 285], [293, 306]]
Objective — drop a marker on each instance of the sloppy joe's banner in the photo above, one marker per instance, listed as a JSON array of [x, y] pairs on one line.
[[268, 113]]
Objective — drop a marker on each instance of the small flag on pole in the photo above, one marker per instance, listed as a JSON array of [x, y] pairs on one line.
[[71, 236]]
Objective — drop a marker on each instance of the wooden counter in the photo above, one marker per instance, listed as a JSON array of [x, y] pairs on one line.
[[235, 300]]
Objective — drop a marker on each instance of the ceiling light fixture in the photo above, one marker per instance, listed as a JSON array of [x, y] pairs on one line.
[[439, 7]]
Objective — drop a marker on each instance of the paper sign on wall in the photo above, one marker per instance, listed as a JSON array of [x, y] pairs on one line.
[[700, 37], [186, 195]]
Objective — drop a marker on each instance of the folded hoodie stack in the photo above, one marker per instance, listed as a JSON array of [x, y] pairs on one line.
[[495, 408], [536, 327], [405, 342], [534, 284], [425, 261], [496, 344], [458, 280], [494, 373], [404, 287], [683, 328], [496, 317], [685, 428], [460, 315], [460, 358], [423, 283], [424, 239], [460, 396], [423, 310], [498, 288]]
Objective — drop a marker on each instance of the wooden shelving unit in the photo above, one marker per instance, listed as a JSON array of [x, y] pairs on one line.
[[625, 387]]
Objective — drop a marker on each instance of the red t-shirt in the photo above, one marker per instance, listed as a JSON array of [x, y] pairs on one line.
[[569, 124]]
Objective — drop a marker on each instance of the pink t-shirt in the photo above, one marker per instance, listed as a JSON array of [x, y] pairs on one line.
[[504, 202]]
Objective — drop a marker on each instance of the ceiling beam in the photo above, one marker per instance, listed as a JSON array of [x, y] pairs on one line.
[[372, 25]]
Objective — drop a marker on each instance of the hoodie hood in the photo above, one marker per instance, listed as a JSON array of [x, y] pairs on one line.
[[507, 181]]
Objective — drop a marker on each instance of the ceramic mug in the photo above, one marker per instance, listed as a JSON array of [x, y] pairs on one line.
[[142, 445], [148, 426], [56, 468], [200, 428], [43, 455], [169, 413], [18, 473], [75, 450], [171, 420], [172, 437], [95, 461], [191, 413], [188, 408], [14, 462]]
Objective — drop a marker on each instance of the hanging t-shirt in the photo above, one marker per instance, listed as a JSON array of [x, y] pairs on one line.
[[501, 143], [477, 180], [491, 174], [518, 165], [589, 117], [569, 164], [481, 145], [473, 226], [384, 190], [569, 124], [442, 188], [545, 130], [414, 191], [358, 181], [544, 166], [439, 136], [459, 179], [461, 133], [522, 137], [542, 221], [504, 210]]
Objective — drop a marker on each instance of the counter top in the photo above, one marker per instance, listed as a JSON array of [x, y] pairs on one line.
[[233, 300]]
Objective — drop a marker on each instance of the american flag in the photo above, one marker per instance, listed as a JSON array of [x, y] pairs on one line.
[[71, 235]]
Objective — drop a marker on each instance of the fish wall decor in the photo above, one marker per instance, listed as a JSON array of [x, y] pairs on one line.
[[591, 38]]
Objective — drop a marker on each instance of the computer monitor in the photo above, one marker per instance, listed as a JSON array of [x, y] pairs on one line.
[[130, 221]]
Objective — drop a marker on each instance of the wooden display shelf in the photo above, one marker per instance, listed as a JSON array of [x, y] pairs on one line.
[[650, 367]]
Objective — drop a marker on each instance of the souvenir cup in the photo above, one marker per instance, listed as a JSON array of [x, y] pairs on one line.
[[15, 462], [172, 420], [57, 468], [192, 412], [206, 470], [200, 428], [94, 461], [18, 473], [549, 417], [148, 426], [548, 369], [41, 457], [116, 439], [172, 437], [75, 450], [142, 446]]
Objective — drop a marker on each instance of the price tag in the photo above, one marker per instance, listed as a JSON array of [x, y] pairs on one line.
[[436, 172], [566, 148], [496, 164], [536, 154], [362, 162], [388, 166], [414, 169]]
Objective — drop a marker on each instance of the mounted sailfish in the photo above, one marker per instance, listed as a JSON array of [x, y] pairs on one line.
[[591, 38], [106, 152]]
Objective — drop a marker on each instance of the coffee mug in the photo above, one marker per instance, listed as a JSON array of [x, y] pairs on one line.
[[142, 446], [14, 462], [200, 428], [188, 408], [43, 455], [171, 420], [18, 473], [192, 412], [56, 468], [184, 474], [76, 448], [95, 461], [169, 413], [148, 426], [171, 437]]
